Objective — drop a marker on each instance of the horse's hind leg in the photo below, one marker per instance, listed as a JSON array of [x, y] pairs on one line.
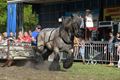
[[55, 66]]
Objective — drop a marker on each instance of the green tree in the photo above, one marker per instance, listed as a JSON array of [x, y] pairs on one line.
[[30, 19], [3, 15]]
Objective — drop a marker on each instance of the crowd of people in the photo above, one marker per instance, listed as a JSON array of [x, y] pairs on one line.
[[114, 41], [28, 37], [79, 44]]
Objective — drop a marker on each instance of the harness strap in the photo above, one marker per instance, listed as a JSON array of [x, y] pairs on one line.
[[50, 35], [62, 36]]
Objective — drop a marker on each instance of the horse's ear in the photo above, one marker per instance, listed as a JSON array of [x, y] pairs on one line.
[[72, 15], [67, 22], [62, 19]]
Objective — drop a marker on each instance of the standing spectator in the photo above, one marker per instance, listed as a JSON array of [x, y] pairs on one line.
[[35, 34], [76, 47], [82, 22], [82, 49], [89, 19], [110, 47], [88, 23], [118, 43], [118, 37]]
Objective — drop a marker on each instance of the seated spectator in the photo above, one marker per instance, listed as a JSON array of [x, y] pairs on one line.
[[5, 37], [11, 37], [30, 33], [35, 34], [20, 37], [1, 39], [27, 37]]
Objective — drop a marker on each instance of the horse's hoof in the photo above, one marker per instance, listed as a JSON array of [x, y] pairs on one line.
[[67, 63], [54, 66], [67, 66]]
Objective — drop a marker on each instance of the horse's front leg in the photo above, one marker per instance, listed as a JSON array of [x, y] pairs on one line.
[[55, 65], [67, 63]]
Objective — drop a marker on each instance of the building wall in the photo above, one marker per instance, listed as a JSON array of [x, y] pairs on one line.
[[49, 13]]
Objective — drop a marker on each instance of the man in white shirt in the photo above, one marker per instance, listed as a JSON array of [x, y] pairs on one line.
[[88, 23]]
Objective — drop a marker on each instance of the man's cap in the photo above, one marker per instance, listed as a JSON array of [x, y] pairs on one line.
[[88, 10]]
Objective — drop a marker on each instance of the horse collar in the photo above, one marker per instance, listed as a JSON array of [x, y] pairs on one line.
[[63, 37]]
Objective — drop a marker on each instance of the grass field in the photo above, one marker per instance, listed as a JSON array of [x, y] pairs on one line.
[[77, 72], [94, 72]]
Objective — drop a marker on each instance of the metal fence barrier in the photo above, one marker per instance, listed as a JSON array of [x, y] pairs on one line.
[[97, 51]]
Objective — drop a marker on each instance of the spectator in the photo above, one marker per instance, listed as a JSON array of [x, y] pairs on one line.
[[110, 48], [27, 37], [88, 23], [12, 37], [88, 19], [76, 47], [1, 39], [5, 37], [82, 49], [118, 43], [30, 33], [20, 37], [118, 37], [35, 34], [82, 22]]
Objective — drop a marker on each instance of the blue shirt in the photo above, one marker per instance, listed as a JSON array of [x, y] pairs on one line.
[[34, 35]]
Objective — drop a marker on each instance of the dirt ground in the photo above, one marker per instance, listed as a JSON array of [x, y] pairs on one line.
[[28, 73], [22, 73], [77, 72]]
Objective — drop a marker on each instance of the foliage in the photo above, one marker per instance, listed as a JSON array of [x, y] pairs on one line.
[[30, 19], [3, 1], [3, 15]]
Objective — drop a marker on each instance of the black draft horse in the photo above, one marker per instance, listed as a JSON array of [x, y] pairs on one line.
[[57, 40]]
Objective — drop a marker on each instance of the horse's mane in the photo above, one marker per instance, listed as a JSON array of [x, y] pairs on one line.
[[65, 35]]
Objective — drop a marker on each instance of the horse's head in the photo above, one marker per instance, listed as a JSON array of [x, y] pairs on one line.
[[76, 23], [72, 24], [67, 22]]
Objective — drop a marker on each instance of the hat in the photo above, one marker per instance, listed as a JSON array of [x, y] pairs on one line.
[[88, 10]]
